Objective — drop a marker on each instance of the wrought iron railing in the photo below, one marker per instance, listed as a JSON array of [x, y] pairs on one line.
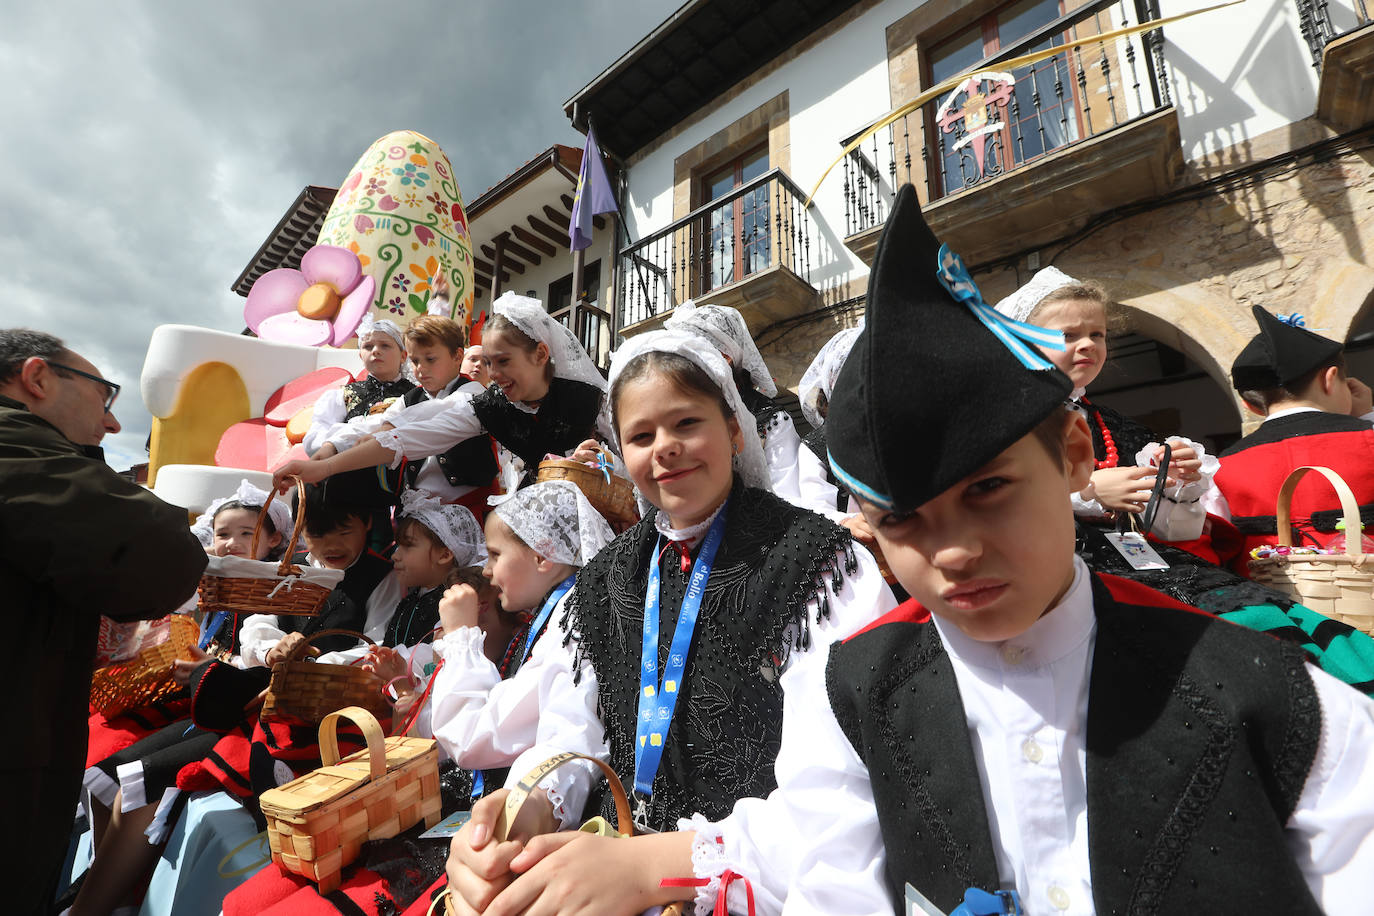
[[592, 326], [1004, 124], [759, 225], [1318, 28]]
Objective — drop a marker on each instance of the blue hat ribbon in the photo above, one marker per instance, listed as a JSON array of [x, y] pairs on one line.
[[1015, 335]]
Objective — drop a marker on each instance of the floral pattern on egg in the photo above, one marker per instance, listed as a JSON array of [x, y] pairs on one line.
[[401, 212]]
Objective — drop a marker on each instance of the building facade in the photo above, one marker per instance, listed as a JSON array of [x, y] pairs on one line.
[[1194, 169]]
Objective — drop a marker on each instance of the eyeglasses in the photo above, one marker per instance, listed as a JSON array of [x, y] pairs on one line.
[[110, 386]]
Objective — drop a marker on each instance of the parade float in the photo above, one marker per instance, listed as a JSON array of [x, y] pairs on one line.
[[229, 406]]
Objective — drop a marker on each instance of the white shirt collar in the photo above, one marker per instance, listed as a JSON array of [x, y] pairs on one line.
[[1288, 412], [1049, 639], [691, 534]]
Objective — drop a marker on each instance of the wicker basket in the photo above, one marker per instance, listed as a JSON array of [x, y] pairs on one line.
[[305, 692], [265, 594], [317, 824], [145, 678], [612, 496], [1341, 586]]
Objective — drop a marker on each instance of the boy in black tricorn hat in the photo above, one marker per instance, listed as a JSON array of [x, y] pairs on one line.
[[1080, 742], [1314, 415]]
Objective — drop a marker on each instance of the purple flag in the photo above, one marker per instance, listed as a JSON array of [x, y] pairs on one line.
[[593, 195]]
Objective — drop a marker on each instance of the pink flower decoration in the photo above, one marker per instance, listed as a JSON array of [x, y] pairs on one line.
[[362, 223], [335, 274], [424, 235], [387, 203]]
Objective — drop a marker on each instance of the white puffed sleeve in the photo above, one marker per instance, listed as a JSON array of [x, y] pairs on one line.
[[432, 431], [482, 721], [1331, 832], [328, 413], [780, 449], [814, 489], [257, 635], [1182, 510], [765, 839]]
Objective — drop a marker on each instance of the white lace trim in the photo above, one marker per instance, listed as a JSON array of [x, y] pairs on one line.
[[818, 381], [556, 786], [130, 776], [725, 329], [102, 788], [455, 526], [463, 644], [708, 861], [556, 521], [570, 359], [691, 534], [390, 439]]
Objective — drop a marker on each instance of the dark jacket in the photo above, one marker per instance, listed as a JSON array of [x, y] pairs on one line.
[[76, 541]]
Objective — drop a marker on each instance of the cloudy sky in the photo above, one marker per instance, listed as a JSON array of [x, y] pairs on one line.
[[151, 146]]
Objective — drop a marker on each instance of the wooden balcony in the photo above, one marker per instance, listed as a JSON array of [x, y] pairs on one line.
[[1345, 95]]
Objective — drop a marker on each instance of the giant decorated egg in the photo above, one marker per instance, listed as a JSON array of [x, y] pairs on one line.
[[401, 212]]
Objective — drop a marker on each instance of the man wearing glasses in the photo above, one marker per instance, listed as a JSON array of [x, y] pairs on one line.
[[76, 541]]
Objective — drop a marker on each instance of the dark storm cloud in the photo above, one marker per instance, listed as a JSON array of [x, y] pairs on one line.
[[150, 147]]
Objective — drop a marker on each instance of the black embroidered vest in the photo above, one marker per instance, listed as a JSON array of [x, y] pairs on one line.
[[566, 418], [768, 416], [725, 732], [1200, 736], [470, 463], [360, 397], [414, 618], [346, 606]]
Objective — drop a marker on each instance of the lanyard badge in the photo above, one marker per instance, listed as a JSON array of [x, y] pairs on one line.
[[658, 696]]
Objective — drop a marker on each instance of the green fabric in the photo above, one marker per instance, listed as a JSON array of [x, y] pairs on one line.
[[1339, 649]]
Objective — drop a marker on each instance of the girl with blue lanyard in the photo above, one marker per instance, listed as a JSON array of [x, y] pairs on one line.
[[677, 643], [537, 540]]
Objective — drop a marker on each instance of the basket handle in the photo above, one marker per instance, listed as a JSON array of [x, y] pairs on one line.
[[515, 800], [372, 732], [1350, 508], [300, 646], [285, 566]]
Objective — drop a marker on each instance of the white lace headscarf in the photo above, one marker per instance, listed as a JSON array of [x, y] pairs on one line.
[[750, 463], [556, 521], [724, 327], [249, 497], [570, 360], [371, 325], [455, 526], [1019, 305], [819, 378]]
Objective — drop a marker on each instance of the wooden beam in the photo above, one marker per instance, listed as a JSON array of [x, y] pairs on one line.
[[548, 231], [568, 205], [534, 241], [560, 220], [523, 253], [484, 266], [505, 262]]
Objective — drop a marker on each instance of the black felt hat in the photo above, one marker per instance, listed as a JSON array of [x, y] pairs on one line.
[[1280, 353], [929, 393]]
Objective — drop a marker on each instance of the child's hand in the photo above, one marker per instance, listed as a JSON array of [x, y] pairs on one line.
[[1361, 398], [459, 607], [586, 451], [441, 285], [324, 451], [479, 869], [1184, 464], [310, 471], [577, 874], [385, 662], [284, 647], [1124, 489], [859, 527], [182, 667]]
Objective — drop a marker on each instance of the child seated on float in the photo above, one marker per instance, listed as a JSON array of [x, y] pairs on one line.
[[475, 365], [461, 472], [547, 397], [1314, 414], [124, 788], [1022, 726], [725, 329], [721, 589], [381, 343]]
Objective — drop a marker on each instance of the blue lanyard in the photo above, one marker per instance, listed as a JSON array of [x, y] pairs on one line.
[[658, 699], [478, 783], [542, 617], [211, 628]]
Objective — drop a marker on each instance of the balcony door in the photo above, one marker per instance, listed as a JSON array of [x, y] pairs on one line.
[[1042, 114], [735, 234]]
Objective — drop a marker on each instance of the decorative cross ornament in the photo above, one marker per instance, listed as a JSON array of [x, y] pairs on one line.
[[979, 111]]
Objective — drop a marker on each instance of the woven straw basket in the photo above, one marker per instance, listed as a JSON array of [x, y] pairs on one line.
[[515, 800], [145, 678], [265, 594], [613, 498], [305, 692], [1341, 586], [317, 824]]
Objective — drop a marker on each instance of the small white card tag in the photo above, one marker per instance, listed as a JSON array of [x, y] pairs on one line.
[[1137, 551], [448, 826], [918, 905]]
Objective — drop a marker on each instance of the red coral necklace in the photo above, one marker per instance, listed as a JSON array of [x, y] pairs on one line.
[[1108, 443]]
